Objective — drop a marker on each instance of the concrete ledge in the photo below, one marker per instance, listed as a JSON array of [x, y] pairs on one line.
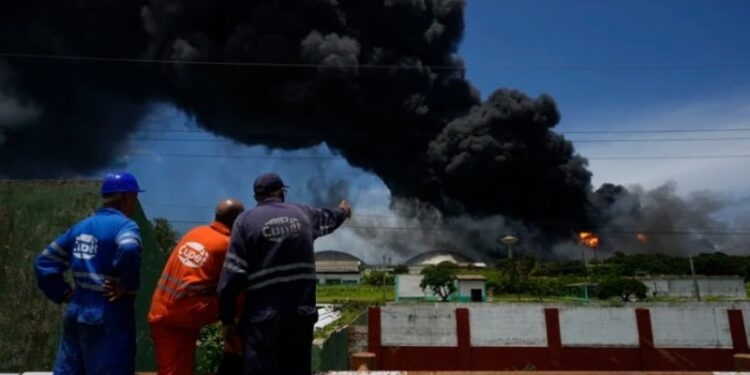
[[534, 373]]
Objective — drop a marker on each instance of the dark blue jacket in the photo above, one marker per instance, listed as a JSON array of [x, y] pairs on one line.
[[271, 258]]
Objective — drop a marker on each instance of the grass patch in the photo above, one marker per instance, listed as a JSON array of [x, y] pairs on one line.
[[342, 294], [349, 313], [32, 214]]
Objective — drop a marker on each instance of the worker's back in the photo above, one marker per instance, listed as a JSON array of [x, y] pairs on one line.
[[278, 239], [186, 292], [93, 250], [103, 247]]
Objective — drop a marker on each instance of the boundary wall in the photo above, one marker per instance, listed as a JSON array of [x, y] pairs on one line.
[[445, 337]]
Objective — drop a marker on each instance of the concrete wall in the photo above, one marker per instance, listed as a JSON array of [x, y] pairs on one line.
[[419, 326], [690, 327], [598, 326], [515, 325], [721, 286], [659, 337]]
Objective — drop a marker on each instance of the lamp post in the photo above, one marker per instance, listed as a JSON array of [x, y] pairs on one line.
[[509, 241]]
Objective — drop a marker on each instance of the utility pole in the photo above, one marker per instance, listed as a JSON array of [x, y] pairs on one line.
[[583, 261], [695, 280], [385, 272]]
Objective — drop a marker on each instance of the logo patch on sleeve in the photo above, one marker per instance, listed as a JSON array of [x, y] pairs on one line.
[[193, 254], [86, 246]]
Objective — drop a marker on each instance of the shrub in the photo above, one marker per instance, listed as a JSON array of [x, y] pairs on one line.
[[623, 288], [378, 278], [400, 269]]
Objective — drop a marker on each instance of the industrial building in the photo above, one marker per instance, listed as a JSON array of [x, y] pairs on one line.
[[337, 267]]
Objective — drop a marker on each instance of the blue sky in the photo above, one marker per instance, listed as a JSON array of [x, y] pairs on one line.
[[611, 65], [627, 65]]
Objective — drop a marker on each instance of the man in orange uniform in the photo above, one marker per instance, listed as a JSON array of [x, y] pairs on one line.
[[185, 298]]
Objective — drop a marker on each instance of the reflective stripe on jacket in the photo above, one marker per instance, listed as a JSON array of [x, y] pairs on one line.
[[271, 257], [186, 292], [106, 245]]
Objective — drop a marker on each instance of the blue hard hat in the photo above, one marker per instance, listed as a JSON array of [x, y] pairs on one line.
[[120, 183]]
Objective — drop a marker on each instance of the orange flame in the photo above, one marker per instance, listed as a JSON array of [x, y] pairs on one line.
[[642, 237], [588, 239]]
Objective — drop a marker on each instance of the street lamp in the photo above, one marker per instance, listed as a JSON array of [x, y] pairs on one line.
[[509, 241]]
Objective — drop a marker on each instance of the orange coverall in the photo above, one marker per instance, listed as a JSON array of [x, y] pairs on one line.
[[185, 298]]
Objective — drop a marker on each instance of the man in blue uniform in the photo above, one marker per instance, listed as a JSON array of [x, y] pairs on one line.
[[271, 258], [103, 253]]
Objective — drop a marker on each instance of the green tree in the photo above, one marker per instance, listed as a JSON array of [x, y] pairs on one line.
[[719, 264], [440, 279], [400, 269], [515, 275], [624, 288], [165, 234]]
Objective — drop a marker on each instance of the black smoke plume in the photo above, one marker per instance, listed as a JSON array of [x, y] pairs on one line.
[[379, 81]]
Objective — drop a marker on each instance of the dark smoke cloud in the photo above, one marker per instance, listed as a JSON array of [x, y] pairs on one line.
[[378, 81], [671, 223], [82, 111], [503, 157]]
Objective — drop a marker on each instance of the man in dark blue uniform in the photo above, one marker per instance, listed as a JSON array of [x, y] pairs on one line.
[[103, 253], [271, 259]]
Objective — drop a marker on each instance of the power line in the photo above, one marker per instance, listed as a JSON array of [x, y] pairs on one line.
[[245, 64], [504, 230], [197, 207], [411, 132], [319, 158], [102, 59], [606, 140], [671, 157], [358, 214], [646, 140], [649, 131]]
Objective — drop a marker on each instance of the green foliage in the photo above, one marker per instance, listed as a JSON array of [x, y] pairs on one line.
[[210, 347], [721, 264], [561, 268], [514, 276], [166, 235], [440, 279], [447, 264], [400, 269], [209, 350], [32, 214], [624, 288], [350, 311], [378, 278], [355, 293], [652, 264], [660, 264]]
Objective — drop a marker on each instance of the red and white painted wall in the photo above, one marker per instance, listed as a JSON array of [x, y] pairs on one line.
[[688, 336]]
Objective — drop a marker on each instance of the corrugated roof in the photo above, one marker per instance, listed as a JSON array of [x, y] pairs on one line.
[[335, 255], [471, 277], [343, 266]]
